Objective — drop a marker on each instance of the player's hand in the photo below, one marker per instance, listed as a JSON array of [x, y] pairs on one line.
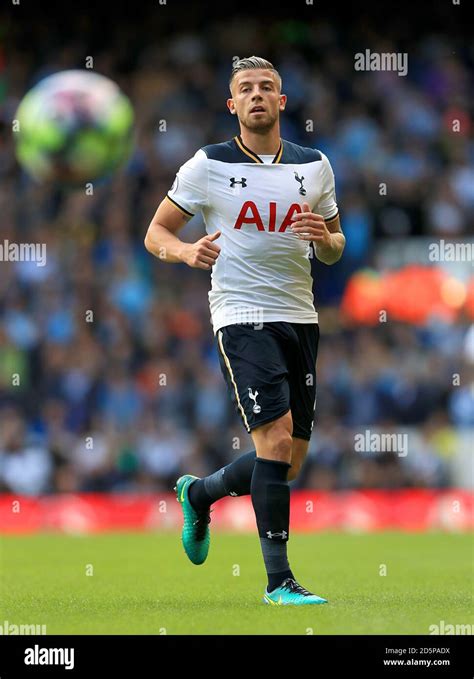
[[310, 226], [203, 253]]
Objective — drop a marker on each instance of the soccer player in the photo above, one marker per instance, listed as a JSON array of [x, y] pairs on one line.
[[264, 201]]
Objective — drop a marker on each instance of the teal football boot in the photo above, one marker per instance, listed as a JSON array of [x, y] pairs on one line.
[[195, 535], [291, 593]]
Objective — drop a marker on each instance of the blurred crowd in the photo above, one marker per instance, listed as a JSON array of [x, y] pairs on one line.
[[109, 376]]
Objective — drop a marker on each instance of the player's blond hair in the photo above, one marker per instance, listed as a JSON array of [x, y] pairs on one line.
[[251, 63]]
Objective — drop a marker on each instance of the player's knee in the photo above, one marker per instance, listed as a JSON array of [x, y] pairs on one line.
[[298, 455], [293, 471], [280, 443], [273, 440]]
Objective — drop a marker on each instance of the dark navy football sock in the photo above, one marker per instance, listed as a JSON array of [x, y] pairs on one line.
[[237, 476], [270, 494], [233, 479]]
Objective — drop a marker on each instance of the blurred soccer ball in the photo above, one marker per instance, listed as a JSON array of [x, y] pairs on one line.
[[73, 127]]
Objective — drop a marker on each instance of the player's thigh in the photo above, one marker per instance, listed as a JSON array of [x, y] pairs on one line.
[[254, 367], [302, 379]]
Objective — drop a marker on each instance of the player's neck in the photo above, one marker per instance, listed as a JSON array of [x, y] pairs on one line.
[[262, 144]]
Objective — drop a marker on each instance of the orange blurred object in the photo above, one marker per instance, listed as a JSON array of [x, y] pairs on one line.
[[363, 297], [184, 324], [414, 294]]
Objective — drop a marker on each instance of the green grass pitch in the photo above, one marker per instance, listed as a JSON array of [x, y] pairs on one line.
[[130, 583]]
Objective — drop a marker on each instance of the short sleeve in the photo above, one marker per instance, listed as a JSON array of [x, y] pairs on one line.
[[189, 190], [327, 205]]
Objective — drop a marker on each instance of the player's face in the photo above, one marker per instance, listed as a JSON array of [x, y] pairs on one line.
[[256, 99]]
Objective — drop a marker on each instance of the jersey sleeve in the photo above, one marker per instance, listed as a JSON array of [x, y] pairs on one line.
[[189, 190], [327, 206]]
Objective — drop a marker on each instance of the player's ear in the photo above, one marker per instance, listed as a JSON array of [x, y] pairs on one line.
[[231, 107], [283, 100]]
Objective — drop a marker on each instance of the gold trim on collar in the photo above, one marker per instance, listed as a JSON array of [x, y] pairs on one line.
[[248, 152], [279, 154], [245, 150]]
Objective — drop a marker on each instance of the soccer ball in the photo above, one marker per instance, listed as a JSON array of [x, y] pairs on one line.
[[73, 127]]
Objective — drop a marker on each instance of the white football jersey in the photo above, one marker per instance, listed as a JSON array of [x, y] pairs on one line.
[[263, 272]]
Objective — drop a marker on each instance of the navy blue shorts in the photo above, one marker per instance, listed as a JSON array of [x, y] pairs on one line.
[[270, 369]]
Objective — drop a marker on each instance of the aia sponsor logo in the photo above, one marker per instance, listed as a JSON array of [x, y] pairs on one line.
[[250, 216]]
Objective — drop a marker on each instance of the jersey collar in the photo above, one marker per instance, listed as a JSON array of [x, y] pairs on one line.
[[248, 152]]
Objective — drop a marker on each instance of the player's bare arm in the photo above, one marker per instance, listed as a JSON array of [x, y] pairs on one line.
[[327, 236], [161, 239]]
